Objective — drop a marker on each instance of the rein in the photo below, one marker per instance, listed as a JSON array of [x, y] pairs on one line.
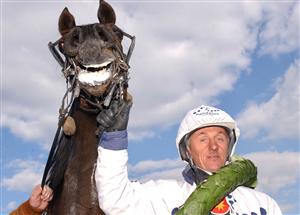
[[70, 70]]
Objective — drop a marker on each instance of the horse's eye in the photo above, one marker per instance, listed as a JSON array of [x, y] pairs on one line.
[[75, 36], [118, 33]]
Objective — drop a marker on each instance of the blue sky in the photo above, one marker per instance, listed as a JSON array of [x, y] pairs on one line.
[[240, 56]]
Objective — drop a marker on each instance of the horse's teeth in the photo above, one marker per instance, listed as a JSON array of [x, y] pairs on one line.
[[104, 64], [94, 78]]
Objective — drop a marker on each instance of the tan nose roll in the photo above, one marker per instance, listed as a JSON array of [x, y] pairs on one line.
[[69, 126]]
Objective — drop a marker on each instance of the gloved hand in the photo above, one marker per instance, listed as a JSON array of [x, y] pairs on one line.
[[116, 117]]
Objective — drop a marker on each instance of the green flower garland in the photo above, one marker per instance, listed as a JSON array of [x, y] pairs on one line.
[[240, 172]]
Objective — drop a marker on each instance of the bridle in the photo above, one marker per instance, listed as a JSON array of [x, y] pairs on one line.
[[70, 70]]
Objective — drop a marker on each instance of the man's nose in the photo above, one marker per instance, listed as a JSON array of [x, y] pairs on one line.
[[213, 144]]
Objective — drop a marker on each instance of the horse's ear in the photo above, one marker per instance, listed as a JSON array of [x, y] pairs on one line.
[[66, 22], [106, 14]]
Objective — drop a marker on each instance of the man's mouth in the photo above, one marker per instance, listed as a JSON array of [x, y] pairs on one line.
[[213, 157]]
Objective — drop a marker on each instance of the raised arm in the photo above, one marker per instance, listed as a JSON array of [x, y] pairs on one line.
[[113, 185]]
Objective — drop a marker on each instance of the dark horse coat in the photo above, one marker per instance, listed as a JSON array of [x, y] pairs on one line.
[[94, 58]]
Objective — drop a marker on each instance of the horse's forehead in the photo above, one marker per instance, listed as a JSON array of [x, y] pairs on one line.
[[92, 26], [87, 25], [87, 29]]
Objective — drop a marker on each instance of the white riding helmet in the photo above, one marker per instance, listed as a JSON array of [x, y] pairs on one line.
[[205, 116]]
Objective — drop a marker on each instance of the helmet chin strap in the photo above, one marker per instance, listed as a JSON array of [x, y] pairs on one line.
[[232, 141], [199, 174]]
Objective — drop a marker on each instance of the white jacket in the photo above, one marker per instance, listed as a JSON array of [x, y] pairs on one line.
[[118, 195]]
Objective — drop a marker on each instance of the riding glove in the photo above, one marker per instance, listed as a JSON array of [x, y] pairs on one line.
[[116, 117]]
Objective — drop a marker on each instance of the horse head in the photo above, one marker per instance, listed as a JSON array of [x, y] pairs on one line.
[[93, 50], [93, 53]]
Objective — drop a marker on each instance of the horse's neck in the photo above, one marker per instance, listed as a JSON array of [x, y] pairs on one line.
[[78, 191]]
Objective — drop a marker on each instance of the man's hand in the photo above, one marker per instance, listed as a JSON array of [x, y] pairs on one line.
[[116, 117], [40, 197]]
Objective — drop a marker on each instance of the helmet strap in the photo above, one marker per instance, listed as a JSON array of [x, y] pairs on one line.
[[183, 149], [232, 141], [198, 174]]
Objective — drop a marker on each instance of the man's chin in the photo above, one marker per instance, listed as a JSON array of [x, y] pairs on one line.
[[214, 166]]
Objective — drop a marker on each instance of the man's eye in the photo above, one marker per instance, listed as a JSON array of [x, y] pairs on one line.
[[203, 140], [221, 139]]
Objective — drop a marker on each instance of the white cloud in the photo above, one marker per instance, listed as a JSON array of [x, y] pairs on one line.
[[278, 117], [159, 169], [175, 173], [151, 165], [27, 173], [191, 60], [280, 31], [279, 176], [276, 170], [137, 134], [32, 85], [186, 54], [38, 125], [11, 206]]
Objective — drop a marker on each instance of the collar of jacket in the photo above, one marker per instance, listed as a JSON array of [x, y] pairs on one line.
[[194, 175]]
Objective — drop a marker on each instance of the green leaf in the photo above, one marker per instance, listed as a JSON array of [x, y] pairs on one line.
[[240, 172]]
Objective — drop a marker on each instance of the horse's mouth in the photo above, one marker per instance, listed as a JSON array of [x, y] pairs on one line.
[[95, 75]]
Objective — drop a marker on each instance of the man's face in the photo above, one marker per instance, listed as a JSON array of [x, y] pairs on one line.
[[208, 148]]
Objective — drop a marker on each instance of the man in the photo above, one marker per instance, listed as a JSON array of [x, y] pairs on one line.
[[206, 140], [37, 202]]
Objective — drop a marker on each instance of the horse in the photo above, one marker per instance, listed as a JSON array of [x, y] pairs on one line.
[[96, 72]]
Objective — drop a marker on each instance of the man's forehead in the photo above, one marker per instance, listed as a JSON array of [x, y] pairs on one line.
[[215, 129]]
